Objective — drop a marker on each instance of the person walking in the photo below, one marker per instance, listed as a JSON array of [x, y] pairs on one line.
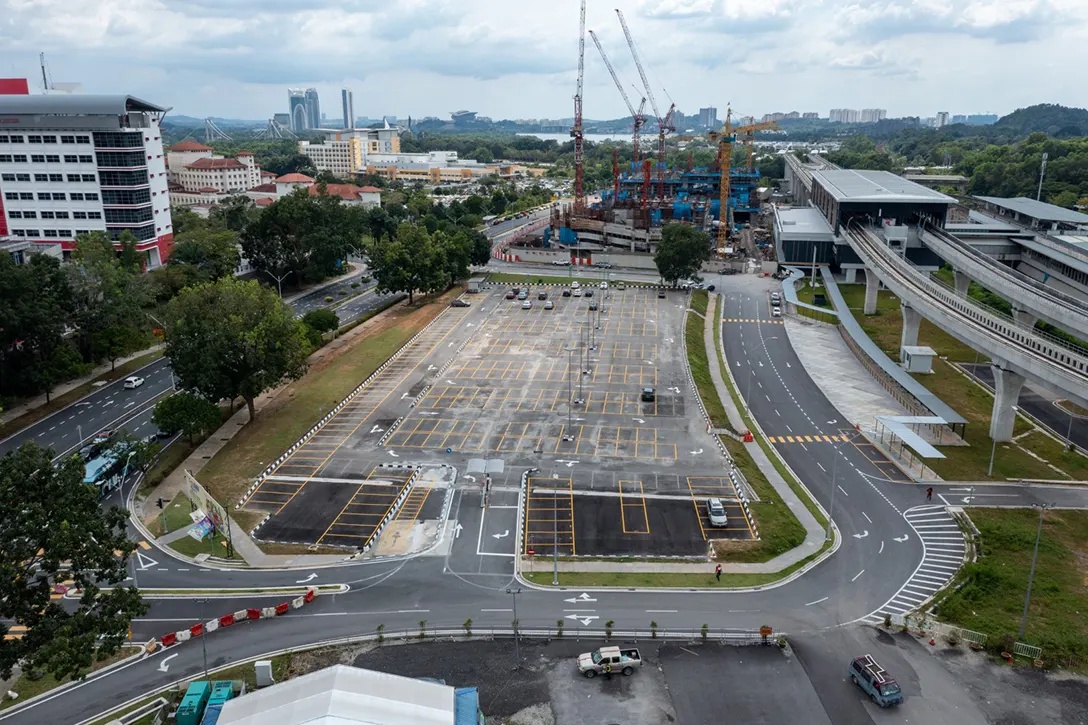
[[929, 494], [608, 670], [718, 572]]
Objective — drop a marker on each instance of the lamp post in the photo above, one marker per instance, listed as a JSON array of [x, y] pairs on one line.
[[570, 393], [1069, 430], [517, 626], [203, 629], [279, 281], [1031, 576], [834, 474], [993, 448]]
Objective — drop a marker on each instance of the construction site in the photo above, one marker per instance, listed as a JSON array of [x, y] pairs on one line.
[[720, 198]]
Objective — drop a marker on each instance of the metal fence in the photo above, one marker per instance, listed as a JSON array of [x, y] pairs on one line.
[[1027, 650]]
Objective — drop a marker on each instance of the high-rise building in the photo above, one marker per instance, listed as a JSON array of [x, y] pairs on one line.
[[959, 118], [845, 115], [313, 106], [942, 118], [872, 115], [300, 114], [74, 164], [810, 114], [349, 108], [708, 117], [981, 119]]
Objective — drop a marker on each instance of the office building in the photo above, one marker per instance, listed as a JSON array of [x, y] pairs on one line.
[[313, 107], [300, 114], [73, 164], [708, 117], [942, 118], [282, 119], [348, 100]]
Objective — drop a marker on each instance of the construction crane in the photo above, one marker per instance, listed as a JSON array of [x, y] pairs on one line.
[[726, 137], [639, 118], [663, 122], [576, 131], [749, 139]]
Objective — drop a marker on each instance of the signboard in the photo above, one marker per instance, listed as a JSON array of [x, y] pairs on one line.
[[200, 530], [203, 501]]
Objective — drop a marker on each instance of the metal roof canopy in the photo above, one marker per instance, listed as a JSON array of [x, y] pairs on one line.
[[75, 105], [897, 424], [875, 186], [1037, 209]]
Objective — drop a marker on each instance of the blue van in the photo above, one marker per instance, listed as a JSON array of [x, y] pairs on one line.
[[871, 677]]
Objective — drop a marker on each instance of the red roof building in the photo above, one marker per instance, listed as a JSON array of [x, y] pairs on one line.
[[265, 201], [189, 145], [294, 178], [209, 164]]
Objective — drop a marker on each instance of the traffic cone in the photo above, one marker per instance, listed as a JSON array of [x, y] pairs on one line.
[[932, 641]]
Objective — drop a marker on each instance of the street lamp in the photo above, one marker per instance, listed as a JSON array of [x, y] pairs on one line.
[[517, 626], [279, 281], [570, 394], [834, 474], [203, 629], [1031, 576]]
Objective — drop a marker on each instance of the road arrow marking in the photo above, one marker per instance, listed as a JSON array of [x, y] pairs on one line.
[[901, 539], [583, 597], [469, 477], [788, 365], [376, 429], [163, 667], [695, 453], [648, 362], [404, 396], [145, 562], [968, 489], [881, 548], [569, 464], [457, 531], [503, 535], [431, 367], [968, 499], [392, 453], [584, 619], [640, 420], [862, 535], [675, 390], [307, 579], [761, 363], [450, 382]]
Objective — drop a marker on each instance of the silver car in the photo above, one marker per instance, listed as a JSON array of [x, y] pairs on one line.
[[716, 512]]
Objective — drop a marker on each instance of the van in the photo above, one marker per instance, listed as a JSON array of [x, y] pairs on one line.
[[871, 677]]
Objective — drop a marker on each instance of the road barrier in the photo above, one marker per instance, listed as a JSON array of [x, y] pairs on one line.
[[201, 629]]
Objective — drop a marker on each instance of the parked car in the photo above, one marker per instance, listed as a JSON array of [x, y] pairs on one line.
[[661, 294], [549, 305], [621, 286], [575, 284], [523, 295], [526, 305], [511, 294], [647, 395], [566, 293], [133, 382], [592, 306], [875, 681], [459, 303], [542, 295], [603, 285], [775, 298], [716, 512], [623, 661], [577, 292], [589, 291], [776, 312]]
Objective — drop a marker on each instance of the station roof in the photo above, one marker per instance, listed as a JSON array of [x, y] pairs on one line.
[[802, 223], [1037, 209], [855, 185], [74, 105]]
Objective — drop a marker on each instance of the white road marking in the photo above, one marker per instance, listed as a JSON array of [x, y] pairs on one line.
[[821, 467], [844, 493], [881, 548], [817, 601], [857, 575], [866, 517], [661, 611]]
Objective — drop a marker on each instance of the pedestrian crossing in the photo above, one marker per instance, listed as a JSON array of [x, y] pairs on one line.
[[751, 319], [944, 551], [15, 631], [806, 439]]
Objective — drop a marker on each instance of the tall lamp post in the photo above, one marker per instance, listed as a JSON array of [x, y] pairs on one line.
[[1031, 576], [517, 626], [834, 485]]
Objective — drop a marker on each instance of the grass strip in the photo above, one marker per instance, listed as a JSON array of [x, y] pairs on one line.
[[513, 279], [216, 546], [989, 597], [58, 402], [174, 516]]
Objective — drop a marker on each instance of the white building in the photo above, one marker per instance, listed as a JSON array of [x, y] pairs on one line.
[[342, 157], [198, 176], [72, 164], [942, 118]]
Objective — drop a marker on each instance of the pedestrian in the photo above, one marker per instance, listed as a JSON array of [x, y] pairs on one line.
[[608, 670], [718, 572], [929, 494]]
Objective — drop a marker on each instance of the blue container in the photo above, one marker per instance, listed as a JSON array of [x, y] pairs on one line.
[[211, 715], [192, 705], [222, 690]]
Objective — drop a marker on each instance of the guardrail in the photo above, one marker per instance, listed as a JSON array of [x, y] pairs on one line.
[[1004, 337]]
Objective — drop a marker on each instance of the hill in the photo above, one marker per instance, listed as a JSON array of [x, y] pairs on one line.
[[1050, 118]]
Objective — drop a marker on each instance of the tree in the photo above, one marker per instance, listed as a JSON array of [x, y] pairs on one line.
[[412, 262], [186, 413], [1067, 199], [317, 323], [204, 255], [481, 249], [234, 213], [110, 293], [681, 252], [231, 338], [482, 154], [54, 528]]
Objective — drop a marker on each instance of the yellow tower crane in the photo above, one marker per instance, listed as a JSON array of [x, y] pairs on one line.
[[726, 137]]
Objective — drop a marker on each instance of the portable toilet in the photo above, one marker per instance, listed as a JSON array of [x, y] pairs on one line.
[[192, 705], [222, 690]]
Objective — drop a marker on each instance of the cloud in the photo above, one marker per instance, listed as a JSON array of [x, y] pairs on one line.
[[1001, 21], [872, 61], [729, 17]]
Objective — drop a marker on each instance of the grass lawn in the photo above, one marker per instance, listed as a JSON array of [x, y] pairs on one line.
[[964, 463], [699, 300], [60, 401], [170, 459], [514, 279], [30, 688], [991, 599], [779, 529], [188, 546], [294, 410], [175, 515]]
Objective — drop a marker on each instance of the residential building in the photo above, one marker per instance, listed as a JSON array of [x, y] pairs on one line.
[[942, 118], [872, 115], [959, 118], [845, 115], [348, 100], [265, 194], [708, 117], [981, 119], [73, 164], [810, 114]]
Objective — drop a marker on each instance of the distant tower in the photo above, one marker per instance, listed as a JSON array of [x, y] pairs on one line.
[[300, 114], [349, 108], [313, 107]]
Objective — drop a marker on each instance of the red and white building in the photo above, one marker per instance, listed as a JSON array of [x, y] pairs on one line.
[[266, 194], [72, 164], [198, 176]]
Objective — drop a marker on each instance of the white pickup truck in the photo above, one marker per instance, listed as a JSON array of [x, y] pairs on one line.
[[594, 663]]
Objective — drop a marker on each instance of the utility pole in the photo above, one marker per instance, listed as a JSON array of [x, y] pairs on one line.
[[517, 627], [203, 630], [1042, 173], [1031, 576], [570, 394]]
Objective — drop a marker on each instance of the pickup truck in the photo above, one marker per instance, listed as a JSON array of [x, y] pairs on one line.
[[593, 663]]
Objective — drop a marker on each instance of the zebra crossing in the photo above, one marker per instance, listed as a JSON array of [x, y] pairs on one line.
[[944, 551]]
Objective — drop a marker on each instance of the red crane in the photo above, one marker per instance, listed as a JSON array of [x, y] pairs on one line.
[[576, 131], [615, 174], [663, 122], [638, 116]]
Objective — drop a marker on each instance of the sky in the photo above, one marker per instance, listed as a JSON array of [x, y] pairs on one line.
[[519, 58]]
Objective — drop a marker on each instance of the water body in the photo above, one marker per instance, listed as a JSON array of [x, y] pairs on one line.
[[595, 137]]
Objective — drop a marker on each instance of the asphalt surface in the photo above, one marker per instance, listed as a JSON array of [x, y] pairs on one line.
[[468, 574]]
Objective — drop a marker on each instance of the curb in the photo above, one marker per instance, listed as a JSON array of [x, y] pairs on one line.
[[20, 704]]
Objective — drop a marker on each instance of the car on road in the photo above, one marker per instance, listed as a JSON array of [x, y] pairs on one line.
[[102, 436], [559, 263], [593, 306], [661, 294], [647, 395], [459, 303], [716, 512], [133, 382], [875, 681], [566, 293], [549, 305], [511, 294], [775, 298], [526, 305], [542, 296], [776, 312], [609, 659], [603, 265]]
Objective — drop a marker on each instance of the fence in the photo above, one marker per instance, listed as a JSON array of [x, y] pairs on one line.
[[723, 636], [929, 626]]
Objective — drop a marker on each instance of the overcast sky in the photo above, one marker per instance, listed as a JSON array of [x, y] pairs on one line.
[[518, 58]]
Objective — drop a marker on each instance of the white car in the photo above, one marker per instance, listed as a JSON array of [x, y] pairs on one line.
[[577, 292], [575, 284], [716, 512], [603, 285], [776, 312], [526, 305], [133, 382], [559, 263]]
